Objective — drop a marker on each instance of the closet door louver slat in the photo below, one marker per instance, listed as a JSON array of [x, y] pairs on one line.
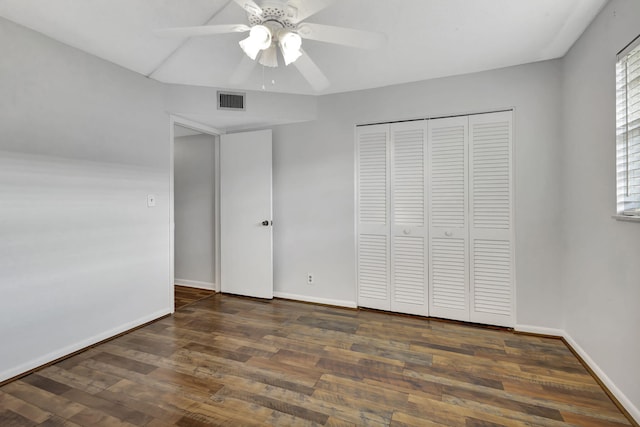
[[373, 246], [448, 217], [372, 267], [408, 231], [491, 197], [448, 275], [492, 277]]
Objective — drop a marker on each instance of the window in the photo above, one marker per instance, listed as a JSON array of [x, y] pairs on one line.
[[628, 129]]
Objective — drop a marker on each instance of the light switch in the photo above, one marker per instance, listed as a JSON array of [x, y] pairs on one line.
[[151, 200]]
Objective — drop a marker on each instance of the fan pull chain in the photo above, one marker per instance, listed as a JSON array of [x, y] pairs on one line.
[[273, 81]]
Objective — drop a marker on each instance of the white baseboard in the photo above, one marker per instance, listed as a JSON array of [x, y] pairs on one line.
[[326, 301], [195, 284], [633, 410], [540, 330], [55, 355]]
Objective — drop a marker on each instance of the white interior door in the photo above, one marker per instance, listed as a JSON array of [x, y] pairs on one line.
[[245, 214], [491, 221], [372, 145], [448, 218], [408, 213]]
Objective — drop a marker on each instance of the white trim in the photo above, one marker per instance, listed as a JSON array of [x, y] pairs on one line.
[[325, 301], [540, 330], [216, 212], [514, 193], [627, 218], [195, 125], [172, 221], [628, 48], [356, 207], [633, 410], [181, 121], [195, 284], [66, 351]]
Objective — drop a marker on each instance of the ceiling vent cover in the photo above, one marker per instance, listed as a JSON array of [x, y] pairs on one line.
[[231, 101]]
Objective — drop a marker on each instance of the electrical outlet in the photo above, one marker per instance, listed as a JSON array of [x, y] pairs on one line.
[[309, 278]]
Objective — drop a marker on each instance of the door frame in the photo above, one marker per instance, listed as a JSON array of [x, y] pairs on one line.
[[190, 124]]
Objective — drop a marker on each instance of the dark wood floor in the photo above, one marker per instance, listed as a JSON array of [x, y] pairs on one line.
[[232, 361], [184, 295]]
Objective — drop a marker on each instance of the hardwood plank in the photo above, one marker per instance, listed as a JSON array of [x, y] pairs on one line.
[[337, 422], [108, 407], [502, 403], [19, 409], [94, 417], [124, 362], [364, 392], [277, 405], [591, 421], [46, 384], [184, 295], [56, 421], [158, 414], [44, 400], [406, 356], [10, 418]]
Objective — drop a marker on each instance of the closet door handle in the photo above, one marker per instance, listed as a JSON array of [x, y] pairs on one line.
[[448, 233]]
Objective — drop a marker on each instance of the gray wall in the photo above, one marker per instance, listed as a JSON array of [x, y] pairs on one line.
[[194, 191], [82, 144], [601, 256], [314, 181]]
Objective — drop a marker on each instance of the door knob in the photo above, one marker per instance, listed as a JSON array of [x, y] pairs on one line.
[[448, 233], [265, 223]]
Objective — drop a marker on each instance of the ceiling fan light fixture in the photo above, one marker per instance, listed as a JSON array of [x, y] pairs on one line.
[[260, 38], [290, 45], [269, 57]]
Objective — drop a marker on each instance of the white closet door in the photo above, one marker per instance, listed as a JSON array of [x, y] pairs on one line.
[[373, 189], [408, 214], [491, 225], [448, 218]]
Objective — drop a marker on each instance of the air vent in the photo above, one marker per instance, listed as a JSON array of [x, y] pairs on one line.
[[231, 101]]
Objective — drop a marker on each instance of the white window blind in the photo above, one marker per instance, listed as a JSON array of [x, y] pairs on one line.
[[628, 129]]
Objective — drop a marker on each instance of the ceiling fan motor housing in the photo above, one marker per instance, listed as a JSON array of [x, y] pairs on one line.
[[276, 12]]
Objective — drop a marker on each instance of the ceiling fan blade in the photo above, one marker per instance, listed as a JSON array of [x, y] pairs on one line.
[[306, 8], [311, 72], [250, 6], [202, 30], [343, 36], [243, 71]]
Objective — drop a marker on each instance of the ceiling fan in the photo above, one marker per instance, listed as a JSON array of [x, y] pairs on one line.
[[279, 24]]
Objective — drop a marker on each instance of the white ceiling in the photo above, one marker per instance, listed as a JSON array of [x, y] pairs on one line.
[[425, 38]]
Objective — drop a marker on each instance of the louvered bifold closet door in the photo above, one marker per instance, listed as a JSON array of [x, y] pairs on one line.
[[373, 212], [491, 219], [448, 218], [408, 213]]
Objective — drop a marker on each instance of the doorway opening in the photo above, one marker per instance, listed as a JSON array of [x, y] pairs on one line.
[[194, 209]]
